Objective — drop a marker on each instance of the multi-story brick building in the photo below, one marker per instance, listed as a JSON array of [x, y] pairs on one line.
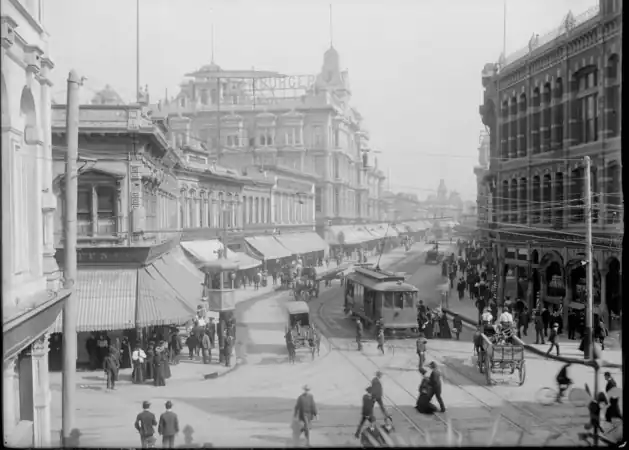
[[31, 294], [546, 107], [301, 131]]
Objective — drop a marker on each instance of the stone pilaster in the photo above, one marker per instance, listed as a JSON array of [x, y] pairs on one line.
[[10, 397], [41, 391]]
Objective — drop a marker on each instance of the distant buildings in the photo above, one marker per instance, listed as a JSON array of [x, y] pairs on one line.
[[31, 294], [444, 205], [298, 133], [546, 107]]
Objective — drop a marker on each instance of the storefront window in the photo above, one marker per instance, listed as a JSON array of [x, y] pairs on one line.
[[555, 286]]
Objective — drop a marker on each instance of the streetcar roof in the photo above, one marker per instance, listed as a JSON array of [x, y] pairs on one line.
[[298, 307], [383, 286]]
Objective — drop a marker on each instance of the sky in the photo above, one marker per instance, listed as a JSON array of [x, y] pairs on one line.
[[414, 65]]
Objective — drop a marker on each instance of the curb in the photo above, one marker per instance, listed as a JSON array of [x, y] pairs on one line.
[[469, 323]]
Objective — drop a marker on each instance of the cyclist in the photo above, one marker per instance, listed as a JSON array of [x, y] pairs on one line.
[[563, 381]]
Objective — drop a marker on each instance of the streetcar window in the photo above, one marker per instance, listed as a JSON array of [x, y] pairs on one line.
[[409, 299], [399, 300], [388, 299]]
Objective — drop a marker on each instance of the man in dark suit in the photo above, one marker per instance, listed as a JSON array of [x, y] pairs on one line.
[[367, 411], [168, 426], [305, 411], [377, 391], [110, 365], [435, 381], [145, 424], [211, 331]]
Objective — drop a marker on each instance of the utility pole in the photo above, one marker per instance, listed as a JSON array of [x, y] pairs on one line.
[[70, 269], [137, 51], [590, 350]]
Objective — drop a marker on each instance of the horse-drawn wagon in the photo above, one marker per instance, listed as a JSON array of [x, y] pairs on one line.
[[300, 332], [499, 354], [434, 256]]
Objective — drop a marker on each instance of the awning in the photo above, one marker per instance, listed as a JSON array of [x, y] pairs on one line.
[[158, 303], [208, 251], [182, 276], [300, 243], [380, 231], [106, 300], [351, 235], [267, 247]]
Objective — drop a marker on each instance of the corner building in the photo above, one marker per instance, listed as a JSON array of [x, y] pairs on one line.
[[546, 107]]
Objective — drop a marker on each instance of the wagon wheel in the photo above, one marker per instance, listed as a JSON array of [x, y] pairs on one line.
[[522, 373], [488, 365], [481, 361]]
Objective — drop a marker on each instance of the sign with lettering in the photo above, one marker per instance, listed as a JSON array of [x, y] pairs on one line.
[[136, 171], [136, 200]]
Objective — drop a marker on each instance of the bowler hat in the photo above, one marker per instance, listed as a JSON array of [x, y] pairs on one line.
[[306, 387], [146, 404], [432, 364], [169, 404]]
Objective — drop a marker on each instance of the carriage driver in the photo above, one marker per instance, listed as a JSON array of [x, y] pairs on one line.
[[506, 325], [486, 320]]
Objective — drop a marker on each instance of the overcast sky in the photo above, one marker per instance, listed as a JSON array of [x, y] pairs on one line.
[[414, 65]]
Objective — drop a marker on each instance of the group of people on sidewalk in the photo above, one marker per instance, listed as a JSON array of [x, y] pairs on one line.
[[153, 362], [204, 336]]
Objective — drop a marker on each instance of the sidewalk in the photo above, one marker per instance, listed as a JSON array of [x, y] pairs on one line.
[[569, 348]]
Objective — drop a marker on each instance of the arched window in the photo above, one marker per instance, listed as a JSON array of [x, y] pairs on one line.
[[536, 202], [558, 211], [513, 127], [613, 194], [547, 190], [546, 117], [587, 105], [536, 122], [558, 122], [522, 127], [577, 195], [504, 201], [504, 130], [513, 198], [612, 97], [523, 201]]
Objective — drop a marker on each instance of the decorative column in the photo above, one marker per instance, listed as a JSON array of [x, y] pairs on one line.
[[41, 389], [49, 200], [214, 203], [10, 397], [203, 195]]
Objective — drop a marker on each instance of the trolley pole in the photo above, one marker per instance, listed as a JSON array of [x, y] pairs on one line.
[[590, 348], [70, 265]]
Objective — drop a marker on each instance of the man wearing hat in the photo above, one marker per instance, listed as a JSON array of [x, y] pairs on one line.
[[372, 436], [435, 382], [552, 338], [168, 426], [377, 391], [305, 411], [145, 424], [367, 412], [359, 333]]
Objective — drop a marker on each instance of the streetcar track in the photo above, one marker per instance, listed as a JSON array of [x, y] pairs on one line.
[[321, 314]]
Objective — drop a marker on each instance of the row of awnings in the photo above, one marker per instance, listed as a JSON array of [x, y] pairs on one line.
[[167, 291], [415, 226], [349, 235]]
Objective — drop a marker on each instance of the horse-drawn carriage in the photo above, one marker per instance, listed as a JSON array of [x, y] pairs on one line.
[[300, 332], [305, 289], [434, 255], [498, 353]]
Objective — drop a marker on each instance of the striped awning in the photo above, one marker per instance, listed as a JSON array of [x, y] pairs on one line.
[[268, 247], [204, 251], [182, 276], [158, 303], [302, 243], [105, 299]]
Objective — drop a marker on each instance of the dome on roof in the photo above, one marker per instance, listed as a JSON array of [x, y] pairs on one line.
[[212, 67], [107, 96]]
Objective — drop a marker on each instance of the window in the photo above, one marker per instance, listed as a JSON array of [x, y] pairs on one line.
[[204, 97], [559, 199], [536, 203], [96, 210], [337, 139], [265, 138], [547, 193], [234, 99], [318, 200], [388, 299], [409, 299], [317, 132], [577, 195], [546, 117], [398, 300], [587, 107], [233, 141], [292, 136]]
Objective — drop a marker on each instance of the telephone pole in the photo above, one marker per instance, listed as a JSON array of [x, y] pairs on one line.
[[590, 349], [69, 268]]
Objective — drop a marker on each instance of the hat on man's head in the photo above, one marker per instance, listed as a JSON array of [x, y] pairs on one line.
[[306, 387], [146, 404], [432, 364], [169, 404]]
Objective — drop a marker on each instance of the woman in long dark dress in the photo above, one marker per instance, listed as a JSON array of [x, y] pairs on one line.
[[150, 355], [125, 354], [165, 362], [426, 393]]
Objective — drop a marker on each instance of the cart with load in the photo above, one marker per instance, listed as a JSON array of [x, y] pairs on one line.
[[434, 256], [499, 355], [300, 329]]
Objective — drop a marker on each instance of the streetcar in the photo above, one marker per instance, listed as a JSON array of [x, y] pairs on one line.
[[373, 294]]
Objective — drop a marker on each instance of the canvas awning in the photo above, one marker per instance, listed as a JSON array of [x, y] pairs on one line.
[[106, 300], [267, 247], [347, 235], [301, 243], [182, 276], [380, 231], [208, 250]]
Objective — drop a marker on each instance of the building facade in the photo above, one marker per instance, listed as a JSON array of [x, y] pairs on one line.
[[444, 205], [483, 193], [31, 294], [546, 107], [300, 131]]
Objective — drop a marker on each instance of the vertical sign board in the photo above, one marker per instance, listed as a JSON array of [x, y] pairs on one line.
[[137, 213]]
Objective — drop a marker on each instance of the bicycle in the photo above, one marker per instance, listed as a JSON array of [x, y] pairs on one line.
[[579, 397]]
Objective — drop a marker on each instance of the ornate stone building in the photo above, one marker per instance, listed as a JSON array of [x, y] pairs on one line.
[[546, 107], [31, 293]]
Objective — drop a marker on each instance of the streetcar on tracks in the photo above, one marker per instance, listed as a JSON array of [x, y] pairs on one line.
[[374, 294]]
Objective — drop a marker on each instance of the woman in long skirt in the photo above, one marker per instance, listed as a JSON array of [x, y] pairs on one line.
[[150, 354]]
